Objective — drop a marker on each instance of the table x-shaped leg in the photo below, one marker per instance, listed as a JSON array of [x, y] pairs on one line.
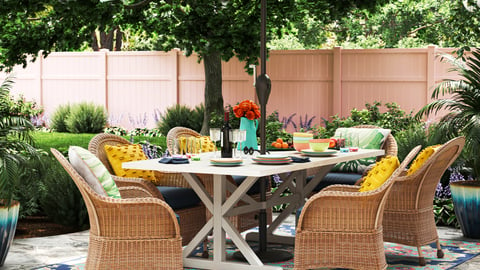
[[219, 206]]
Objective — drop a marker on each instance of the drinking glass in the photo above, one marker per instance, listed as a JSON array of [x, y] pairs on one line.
[[215, 137], [242, 136], [236, 139], [353, 142]]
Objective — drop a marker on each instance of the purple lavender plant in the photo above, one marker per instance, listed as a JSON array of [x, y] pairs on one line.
[[287, 121], [139, 120], [39, 120], [307, 123], [115, 120], [157, 115], [276, 180], [151, 151], [443, 192]]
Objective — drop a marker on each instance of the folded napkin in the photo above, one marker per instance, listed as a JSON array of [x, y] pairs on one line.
[[174, 160], [300, 159]]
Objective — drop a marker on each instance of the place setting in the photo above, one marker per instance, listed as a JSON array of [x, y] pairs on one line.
[[315, 147], [226, 162], [272, 159]]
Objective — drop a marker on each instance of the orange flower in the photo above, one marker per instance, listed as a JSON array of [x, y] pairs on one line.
[[238, 111], [250, 115], [257, 113], [248, 109], [246, 106]]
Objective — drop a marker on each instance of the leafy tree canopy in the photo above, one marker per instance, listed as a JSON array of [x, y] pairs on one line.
[[201, 26], [214, 29], [397, 24]]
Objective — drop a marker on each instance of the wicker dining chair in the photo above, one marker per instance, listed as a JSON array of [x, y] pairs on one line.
[[342, 227], [191, 219], [138, 231], [242, 222], [408, 217]]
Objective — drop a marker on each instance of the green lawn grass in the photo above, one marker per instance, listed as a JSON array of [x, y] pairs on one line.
[[61, 141]]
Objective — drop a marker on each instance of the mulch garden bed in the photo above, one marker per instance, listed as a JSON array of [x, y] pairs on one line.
[[38, 226]]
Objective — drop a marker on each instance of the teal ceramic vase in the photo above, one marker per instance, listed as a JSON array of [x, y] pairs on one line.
[[466, 202], [251, 139], [8, 225]]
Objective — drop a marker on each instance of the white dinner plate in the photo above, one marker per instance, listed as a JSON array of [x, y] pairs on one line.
[[310, 152]]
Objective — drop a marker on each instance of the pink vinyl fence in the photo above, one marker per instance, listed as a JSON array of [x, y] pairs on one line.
[[136, 87]]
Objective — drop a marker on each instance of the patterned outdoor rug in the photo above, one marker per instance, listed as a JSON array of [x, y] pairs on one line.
[[398, 256]]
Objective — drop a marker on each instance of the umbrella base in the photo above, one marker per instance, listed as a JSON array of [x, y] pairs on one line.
[[268, 256]]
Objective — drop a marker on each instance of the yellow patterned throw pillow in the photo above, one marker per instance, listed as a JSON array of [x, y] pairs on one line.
[[380, 173], [127, 152], [207, 144], [195, 145], [421, 158]]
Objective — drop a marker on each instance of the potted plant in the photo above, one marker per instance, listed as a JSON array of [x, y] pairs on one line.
[[15, 149], [463, 118]]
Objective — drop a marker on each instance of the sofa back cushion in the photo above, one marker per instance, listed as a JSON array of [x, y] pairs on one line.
[[366, 138]]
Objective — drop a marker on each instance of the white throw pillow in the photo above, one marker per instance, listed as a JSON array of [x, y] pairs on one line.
[[93, 171]]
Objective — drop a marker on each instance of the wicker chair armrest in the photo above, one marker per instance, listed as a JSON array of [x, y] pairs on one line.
[[138, 182], [134, 192], [138, 218], [339, 187], [171, 179]]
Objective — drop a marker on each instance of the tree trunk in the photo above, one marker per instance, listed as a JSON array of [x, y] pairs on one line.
[[213, 88]]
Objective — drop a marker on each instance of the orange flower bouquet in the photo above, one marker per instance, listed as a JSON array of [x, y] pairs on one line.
[[247, 109]]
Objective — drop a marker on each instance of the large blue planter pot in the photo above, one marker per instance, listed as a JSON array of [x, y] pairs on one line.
[[466, 202], [8, 225]]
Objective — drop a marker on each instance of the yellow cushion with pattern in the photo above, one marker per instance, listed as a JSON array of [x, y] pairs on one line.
[[421, 158], [381, 171], [117, 154], [207, 144]]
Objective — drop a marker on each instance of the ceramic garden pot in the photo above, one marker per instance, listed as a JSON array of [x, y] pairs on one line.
[[251, 127], [8, 225], [466, 202]]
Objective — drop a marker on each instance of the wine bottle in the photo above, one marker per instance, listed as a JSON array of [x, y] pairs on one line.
[[226, 142]]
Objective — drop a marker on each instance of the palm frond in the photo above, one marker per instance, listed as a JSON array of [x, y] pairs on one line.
[[463, 104]]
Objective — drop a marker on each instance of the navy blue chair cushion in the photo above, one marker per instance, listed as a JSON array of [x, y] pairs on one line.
[[255, 189], [297, 215], [179, 197], [333, 178]]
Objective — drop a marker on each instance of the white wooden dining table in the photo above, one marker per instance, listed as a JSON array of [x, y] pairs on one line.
[[294, 178]]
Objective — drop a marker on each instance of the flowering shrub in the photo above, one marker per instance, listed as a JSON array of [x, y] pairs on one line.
[[248, 109]]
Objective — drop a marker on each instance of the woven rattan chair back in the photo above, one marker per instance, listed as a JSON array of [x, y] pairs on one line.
[[97, 147], [176, 133], [131, 233], [340, 227], [408, 215]]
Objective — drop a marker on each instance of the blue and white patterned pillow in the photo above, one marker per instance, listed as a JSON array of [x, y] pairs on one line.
[[93, 171]]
